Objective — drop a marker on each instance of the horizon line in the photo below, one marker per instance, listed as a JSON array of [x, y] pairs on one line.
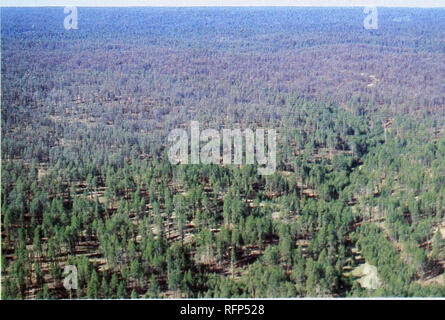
[[226, 3], [217, 6]]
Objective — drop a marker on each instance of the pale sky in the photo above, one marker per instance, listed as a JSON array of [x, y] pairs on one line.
[[215, 3]]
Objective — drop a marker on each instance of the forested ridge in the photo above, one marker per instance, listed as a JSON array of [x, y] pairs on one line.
[[86, 181]]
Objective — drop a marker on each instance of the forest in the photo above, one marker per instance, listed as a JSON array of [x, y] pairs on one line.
[[355, 208]]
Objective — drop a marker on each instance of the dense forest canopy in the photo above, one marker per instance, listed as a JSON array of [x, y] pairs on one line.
[[356, 206]]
